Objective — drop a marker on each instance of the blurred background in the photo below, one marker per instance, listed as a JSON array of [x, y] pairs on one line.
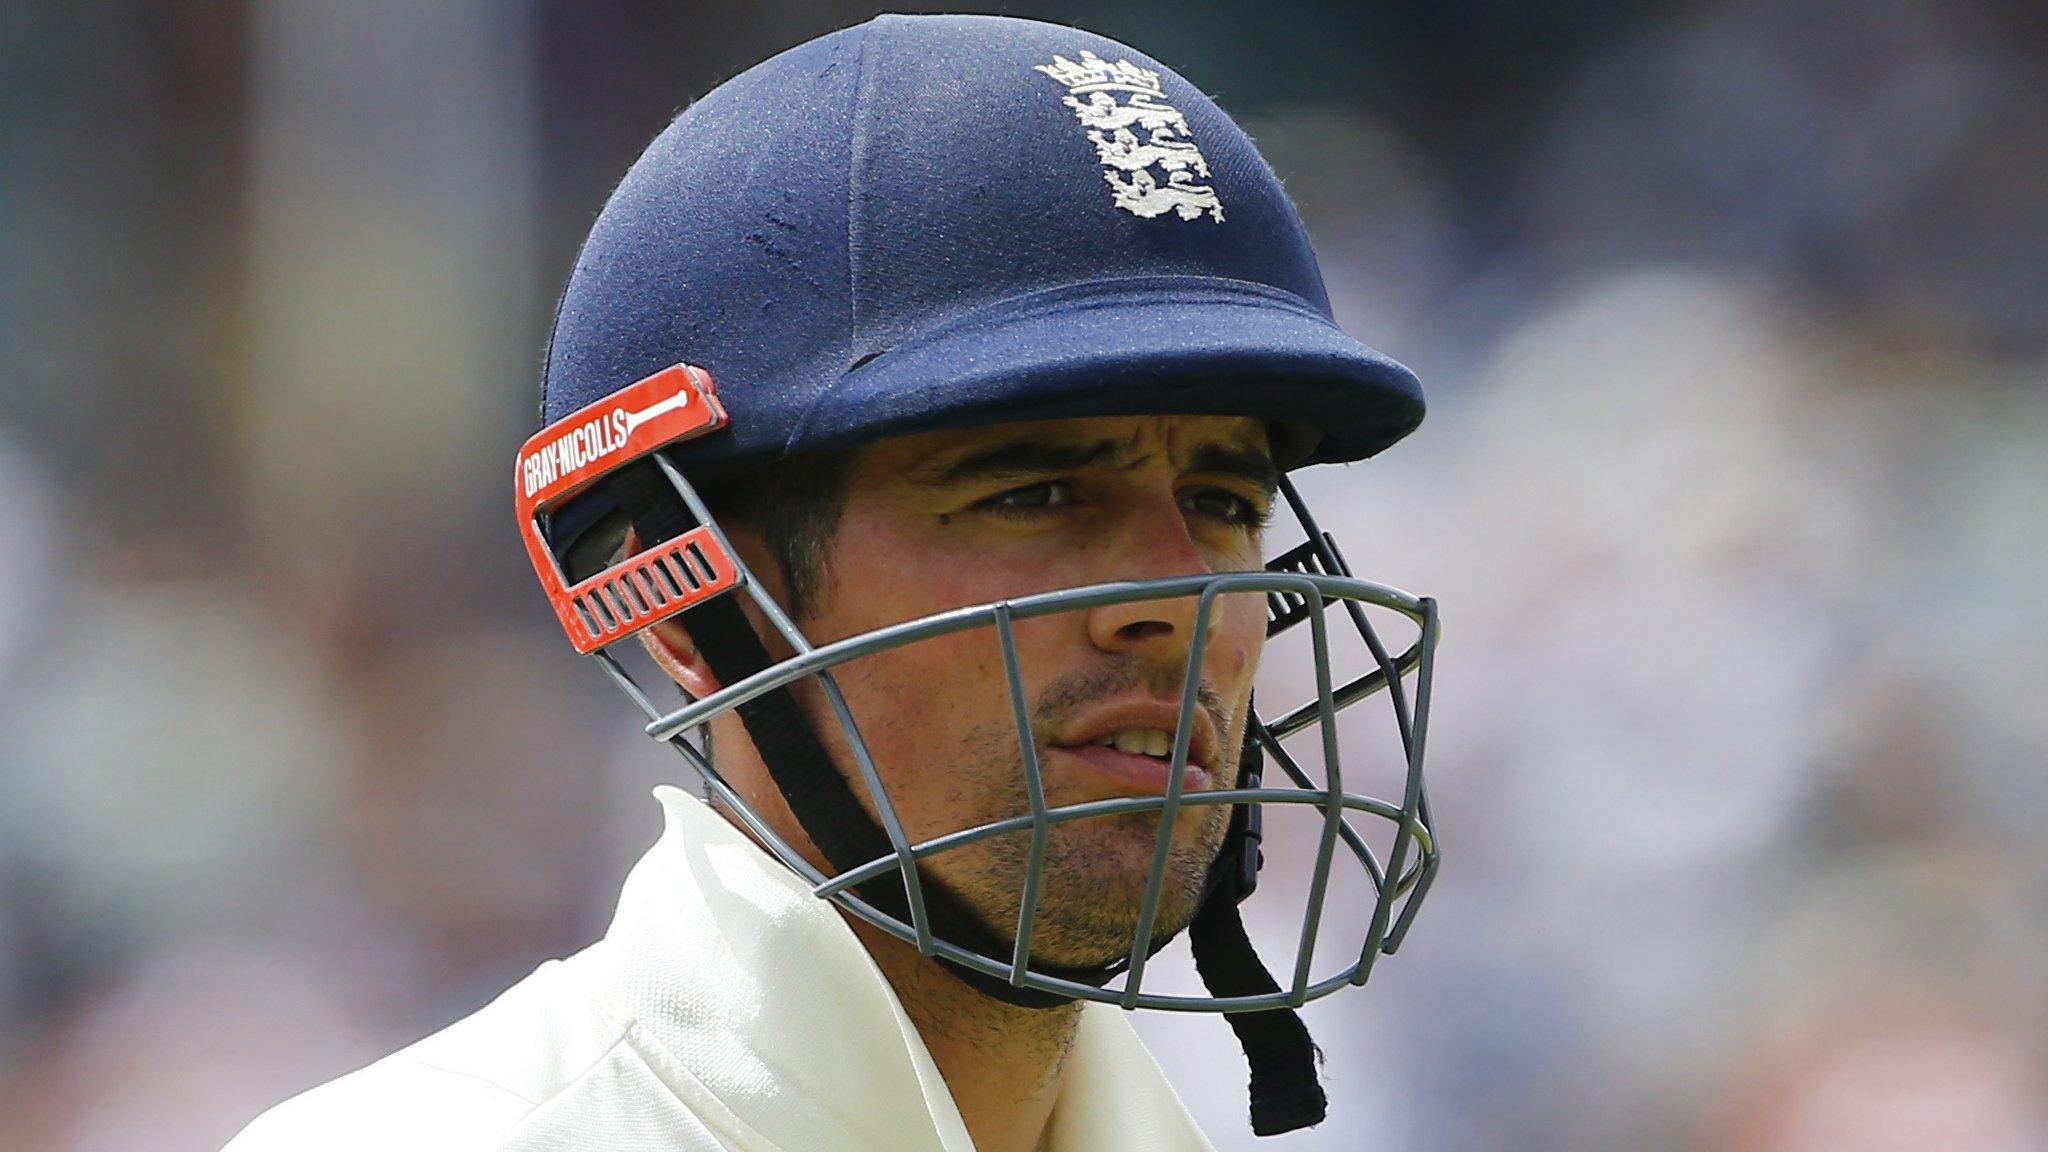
[[1735, 319]]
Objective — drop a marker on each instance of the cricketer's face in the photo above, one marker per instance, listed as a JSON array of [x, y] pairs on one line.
[[946, 519]]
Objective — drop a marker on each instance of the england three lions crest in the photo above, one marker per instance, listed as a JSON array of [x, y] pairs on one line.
[[1147, 154]]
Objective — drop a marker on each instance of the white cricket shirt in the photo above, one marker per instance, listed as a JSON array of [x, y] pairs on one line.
[[725, 1009]]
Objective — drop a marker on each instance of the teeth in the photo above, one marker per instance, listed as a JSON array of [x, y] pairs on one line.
[[1140, 742]]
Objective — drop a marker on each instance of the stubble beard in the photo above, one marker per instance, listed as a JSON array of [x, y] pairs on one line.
[[1096, 869]]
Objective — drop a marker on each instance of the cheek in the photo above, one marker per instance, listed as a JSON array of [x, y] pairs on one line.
[[1235, 651], [890, 568], [933, 715], [936, 687], [936, 715]]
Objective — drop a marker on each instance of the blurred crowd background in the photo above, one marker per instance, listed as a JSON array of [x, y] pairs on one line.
[[1735, 319]]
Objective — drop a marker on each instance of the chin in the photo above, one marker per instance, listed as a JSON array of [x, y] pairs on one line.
[[1101, 933], [1091, 896], [1094, 880]]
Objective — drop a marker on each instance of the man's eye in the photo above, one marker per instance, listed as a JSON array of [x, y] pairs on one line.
[[1225, 505], [1031, 498]]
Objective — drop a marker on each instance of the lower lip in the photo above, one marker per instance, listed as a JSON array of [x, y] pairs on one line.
[[1134, 774]]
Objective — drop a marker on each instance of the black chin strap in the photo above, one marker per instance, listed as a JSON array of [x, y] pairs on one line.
[[1285, 1093]]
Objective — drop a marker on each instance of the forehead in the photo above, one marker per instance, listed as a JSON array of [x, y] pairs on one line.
[[1177, 439]]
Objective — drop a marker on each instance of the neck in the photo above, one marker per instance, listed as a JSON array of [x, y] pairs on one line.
[[1003, 1064]]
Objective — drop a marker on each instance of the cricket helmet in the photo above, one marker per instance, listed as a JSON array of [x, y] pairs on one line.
[[928, 222]]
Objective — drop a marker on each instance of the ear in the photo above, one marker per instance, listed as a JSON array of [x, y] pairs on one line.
[[672, 648], [670, 645]]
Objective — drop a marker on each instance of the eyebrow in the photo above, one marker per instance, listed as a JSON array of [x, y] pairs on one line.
[[1016, 459], [1244, 463], [1026, 458]]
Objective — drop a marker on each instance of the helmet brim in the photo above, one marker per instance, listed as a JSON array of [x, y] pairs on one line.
[[1155, 346]]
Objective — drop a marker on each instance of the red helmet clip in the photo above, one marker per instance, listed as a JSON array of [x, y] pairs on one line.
[[570, 455]]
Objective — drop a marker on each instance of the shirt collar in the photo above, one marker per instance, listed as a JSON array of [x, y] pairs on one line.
[[773, 1018]]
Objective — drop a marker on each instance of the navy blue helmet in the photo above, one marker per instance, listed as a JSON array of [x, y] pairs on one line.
[[928, 222]]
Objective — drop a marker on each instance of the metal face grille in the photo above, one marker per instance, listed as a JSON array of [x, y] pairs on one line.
[[1302, 586]]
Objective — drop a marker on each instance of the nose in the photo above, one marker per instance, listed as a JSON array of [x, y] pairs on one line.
[[1147, 624], [1166, 626]]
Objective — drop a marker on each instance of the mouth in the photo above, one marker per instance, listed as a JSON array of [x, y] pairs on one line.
[[1132, 762]]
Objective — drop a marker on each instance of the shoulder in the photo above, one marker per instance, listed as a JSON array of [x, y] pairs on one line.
[[394, 1104], [470, 1086]]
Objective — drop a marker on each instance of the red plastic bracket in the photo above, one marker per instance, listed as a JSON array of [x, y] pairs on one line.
[[570, 455]]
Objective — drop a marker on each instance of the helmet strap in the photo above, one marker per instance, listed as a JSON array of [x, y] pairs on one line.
[[1285, 1093]]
